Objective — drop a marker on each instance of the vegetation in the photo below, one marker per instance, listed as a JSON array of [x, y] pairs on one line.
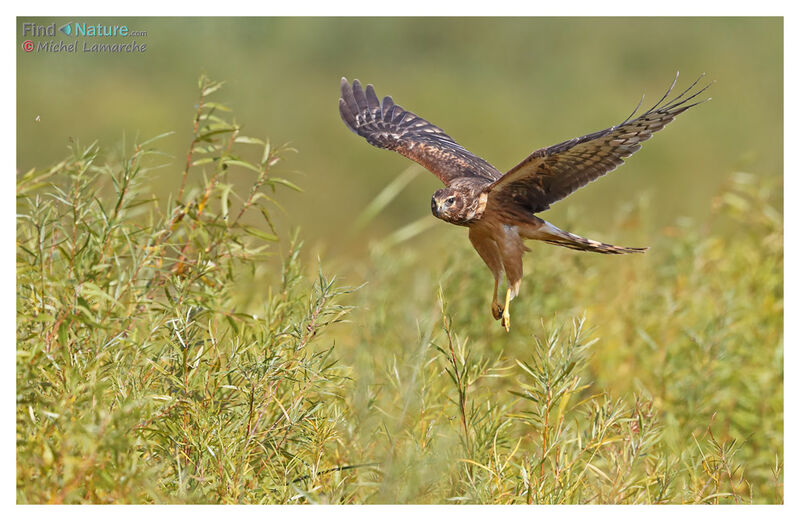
[[150, 370], [501, 87]]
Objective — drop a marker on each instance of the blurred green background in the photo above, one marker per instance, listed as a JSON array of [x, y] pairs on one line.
[[695, 326], [501, 87]]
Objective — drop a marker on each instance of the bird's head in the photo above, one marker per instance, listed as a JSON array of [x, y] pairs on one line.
[[449, 204]]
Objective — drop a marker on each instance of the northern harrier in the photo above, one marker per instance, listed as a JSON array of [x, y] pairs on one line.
[[499, 208]]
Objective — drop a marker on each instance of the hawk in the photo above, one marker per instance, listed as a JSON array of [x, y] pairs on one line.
[[499, 209]]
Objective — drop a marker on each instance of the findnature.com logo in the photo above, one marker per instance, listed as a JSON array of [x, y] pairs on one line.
[[79, 30]]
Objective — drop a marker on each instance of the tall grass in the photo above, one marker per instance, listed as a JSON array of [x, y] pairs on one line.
[[139, 377], [673, 394], [164, 353]]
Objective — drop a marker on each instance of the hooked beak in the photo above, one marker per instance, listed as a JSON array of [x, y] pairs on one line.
[[436, 208]]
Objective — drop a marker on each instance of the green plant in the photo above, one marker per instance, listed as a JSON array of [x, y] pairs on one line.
[[167, 353], [142, 375]]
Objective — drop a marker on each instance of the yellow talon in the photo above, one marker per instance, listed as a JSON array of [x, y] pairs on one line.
[[506, 318]]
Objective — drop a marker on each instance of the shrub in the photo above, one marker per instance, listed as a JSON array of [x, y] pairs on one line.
[[140, 377], [165, 355]]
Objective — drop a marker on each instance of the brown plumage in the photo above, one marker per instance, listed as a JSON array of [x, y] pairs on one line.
[[499, 208]]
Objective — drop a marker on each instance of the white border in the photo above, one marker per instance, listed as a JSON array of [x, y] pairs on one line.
[[404, 8]]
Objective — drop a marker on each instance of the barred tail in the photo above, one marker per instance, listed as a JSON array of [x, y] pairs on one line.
[[553, 235]]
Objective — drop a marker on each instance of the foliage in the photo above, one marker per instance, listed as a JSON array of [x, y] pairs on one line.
[[559, 77], [138, 377], [674, 396], [165, 355]]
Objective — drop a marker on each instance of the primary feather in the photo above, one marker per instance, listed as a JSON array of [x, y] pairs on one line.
[[552, 173], [386, 125]]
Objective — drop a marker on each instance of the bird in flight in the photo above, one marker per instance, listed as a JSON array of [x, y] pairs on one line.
[[499, 209]]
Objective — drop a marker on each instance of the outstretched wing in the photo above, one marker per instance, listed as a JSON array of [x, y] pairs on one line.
[[386, 125], [552, 173]]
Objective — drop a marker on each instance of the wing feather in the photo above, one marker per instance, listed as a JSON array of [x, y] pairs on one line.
[[552, 173], [387, 125]]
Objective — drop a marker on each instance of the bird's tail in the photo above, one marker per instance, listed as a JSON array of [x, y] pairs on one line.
[[553, 235]]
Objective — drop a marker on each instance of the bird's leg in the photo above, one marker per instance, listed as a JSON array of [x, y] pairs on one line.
[[497, 309], [506, 316]]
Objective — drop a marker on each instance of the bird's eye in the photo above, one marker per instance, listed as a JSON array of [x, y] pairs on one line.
[[450, 200]]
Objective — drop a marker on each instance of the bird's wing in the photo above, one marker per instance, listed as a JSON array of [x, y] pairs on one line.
[[552, 173], [386, 125]]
